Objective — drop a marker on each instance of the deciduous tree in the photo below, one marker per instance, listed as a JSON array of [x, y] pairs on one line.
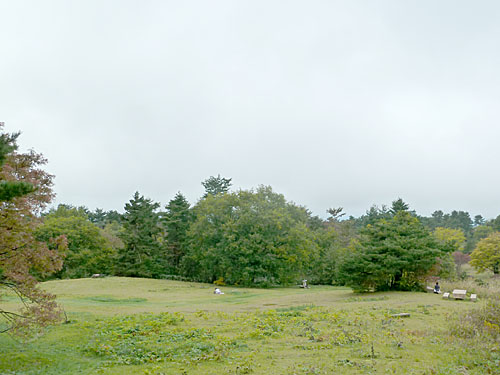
[[88, 250], [249, 238], [20, 252], [486, 255]]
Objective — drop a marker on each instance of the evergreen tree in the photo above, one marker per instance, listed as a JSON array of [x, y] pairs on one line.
[[398, 205], [141, 255], [216, 185], [392, 254], [177, 219], [479, 220], [102, 218], [16, 187]]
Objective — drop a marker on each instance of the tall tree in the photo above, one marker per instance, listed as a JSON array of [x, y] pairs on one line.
[[392, 254], [20, 253], [249, 238], [141, 255], [177, 218], [216, 185], [479, 220], [398, 206]]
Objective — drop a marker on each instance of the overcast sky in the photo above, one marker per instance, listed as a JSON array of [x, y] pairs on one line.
[[332, 103]]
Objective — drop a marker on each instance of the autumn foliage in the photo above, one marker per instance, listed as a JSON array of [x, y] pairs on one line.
[[21, 255]]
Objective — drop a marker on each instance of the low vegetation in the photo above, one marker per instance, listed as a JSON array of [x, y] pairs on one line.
[[142, 326]]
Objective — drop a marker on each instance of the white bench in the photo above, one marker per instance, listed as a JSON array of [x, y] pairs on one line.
[[459, 293], [473, 297], [446, 295]]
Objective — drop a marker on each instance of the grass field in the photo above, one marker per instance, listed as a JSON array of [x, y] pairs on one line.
[[140, 326]]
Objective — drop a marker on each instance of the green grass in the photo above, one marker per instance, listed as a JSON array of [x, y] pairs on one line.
[[141, 326]]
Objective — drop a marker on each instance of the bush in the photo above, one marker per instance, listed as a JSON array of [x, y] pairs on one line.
[[483, 323]]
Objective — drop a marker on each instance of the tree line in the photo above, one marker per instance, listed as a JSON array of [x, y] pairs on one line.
[[257, 238]]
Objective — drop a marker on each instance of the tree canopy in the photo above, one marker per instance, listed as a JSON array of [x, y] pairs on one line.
[[216, 185], [250, 237], [88, 249], [396, 253], [486, 255]]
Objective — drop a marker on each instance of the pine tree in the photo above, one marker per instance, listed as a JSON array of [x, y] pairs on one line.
[[177, 219], [216, 185], [11, 189], [141, 256], [392, 254]]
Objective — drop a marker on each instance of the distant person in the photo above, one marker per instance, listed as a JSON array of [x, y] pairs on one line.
[[304, 284], [437, 288], [218, 291]]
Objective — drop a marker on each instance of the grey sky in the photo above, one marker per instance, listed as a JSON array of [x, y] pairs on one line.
[[332, 103]]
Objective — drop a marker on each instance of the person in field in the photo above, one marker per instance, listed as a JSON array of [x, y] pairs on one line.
[[437, 288]]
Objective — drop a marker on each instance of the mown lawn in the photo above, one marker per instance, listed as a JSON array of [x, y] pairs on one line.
[[140, 326]]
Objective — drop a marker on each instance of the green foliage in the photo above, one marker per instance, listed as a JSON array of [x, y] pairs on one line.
[[494, 223], [372, 215], [392, 254], [323, 263], [177, 220], [25, 189], [88, 250], [478, 233], [248, 238], [12, 188], [324, 330], [449, 239], [479, 220], [398, 206], [216, 185], [148, 338], [447, 268], [486, 255], [483, 322], [455, 220], [102, 218], [142, 253]]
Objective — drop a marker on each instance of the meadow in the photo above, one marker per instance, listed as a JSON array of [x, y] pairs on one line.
[[141, 326]]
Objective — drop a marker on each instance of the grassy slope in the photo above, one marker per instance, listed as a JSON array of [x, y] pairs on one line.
[[259, 331]]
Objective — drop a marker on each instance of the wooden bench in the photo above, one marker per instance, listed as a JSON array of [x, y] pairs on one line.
[[401, 315], [446, 295], [459, 293]]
